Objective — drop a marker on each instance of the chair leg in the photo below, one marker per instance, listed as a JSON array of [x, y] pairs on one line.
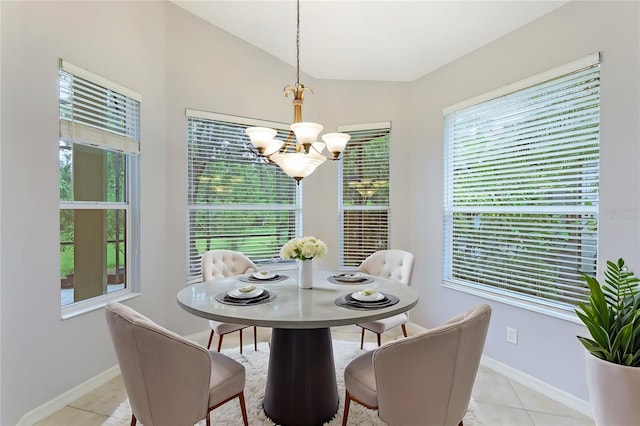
[[220, 342], [460, 424], [240, 340], [210, 340], [347, 402], [404, 330], [243, 407], [133, 420], [378, 339], [255, 338], [362, 338], [208, 418]]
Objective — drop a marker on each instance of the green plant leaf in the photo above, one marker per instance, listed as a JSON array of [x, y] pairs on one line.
[[612, 315]]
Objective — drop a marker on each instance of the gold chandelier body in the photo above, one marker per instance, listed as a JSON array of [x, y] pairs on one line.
[[301, 153]]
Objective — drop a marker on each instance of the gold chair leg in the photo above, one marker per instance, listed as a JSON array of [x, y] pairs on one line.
[[210, 340], [347, 402], [362, 338]]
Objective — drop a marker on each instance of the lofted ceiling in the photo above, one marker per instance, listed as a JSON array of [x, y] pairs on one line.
[[372, 39]]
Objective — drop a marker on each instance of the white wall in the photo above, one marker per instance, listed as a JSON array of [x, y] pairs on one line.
[[547, 347], [177, 61], [42, 355]]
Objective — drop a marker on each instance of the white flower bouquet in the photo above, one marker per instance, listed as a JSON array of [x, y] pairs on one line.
[[305, 248]]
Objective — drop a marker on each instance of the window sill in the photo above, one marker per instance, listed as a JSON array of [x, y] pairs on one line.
[[96, 303], [512, 301]]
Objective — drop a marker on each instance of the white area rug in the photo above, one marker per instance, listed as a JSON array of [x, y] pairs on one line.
[[256, 364]]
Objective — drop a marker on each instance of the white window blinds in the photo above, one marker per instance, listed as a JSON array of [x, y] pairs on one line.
[[96, 112], [236, 201], [521, 190], [364, 193]]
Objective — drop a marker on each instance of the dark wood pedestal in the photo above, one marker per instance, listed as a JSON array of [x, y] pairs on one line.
[[301, 385]]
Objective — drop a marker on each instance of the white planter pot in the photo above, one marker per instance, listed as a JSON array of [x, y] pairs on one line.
[[614, 390]]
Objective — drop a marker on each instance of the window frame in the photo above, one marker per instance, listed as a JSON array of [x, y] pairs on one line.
[[131, 205], [559, 310], [295, 208], [381, 208]]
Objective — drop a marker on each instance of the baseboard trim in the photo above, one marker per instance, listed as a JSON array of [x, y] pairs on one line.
[[563, 397], [62, 400]]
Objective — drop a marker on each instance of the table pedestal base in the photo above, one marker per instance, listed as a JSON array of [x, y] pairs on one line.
[[301, 383]]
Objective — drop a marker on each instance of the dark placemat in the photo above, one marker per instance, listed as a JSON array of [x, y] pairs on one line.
[[252, 279], [347, 301], [265, 297], [336, 280]]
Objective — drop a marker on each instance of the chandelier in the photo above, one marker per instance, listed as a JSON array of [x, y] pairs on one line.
[[300, 154]]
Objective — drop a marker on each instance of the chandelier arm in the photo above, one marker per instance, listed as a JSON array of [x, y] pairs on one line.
[[332, 158], [264, 158]]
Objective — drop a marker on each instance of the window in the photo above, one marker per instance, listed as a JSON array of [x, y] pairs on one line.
[[236, 200], [363, 194], [98, 147], [521, 188]]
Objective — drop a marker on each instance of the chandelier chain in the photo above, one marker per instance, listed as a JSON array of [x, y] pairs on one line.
[[298, 44]]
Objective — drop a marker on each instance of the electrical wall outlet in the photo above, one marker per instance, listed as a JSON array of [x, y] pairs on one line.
[[512, 335]]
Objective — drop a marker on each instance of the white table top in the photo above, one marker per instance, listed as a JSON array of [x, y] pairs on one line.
[[293, 307]]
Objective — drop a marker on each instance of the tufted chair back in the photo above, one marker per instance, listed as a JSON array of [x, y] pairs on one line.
[[393, 264], [225, 263]]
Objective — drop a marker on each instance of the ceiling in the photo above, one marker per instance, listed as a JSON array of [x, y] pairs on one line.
[[369, 39]]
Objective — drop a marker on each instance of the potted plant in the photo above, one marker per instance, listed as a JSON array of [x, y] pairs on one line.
[[612, 316]]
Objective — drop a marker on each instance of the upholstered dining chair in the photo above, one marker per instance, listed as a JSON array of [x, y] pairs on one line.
[[169, 380], [396, 265], [226, 263], [424, 379]]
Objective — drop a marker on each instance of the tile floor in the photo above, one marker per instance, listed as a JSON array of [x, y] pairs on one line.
[[500, 401]]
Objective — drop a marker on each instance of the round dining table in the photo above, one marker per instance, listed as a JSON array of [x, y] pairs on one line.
[[301, 384]]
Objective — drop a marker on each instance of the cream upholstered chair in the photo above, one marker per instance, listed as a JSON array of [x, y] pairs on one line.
[[169, 380], [424, 379], [226, 263], [396, 265]]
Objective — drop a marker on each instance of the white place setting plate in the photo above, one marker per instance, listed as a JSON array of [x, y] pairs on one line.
[[355, 277], [367, 296], [246, 292], [264, 275]]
